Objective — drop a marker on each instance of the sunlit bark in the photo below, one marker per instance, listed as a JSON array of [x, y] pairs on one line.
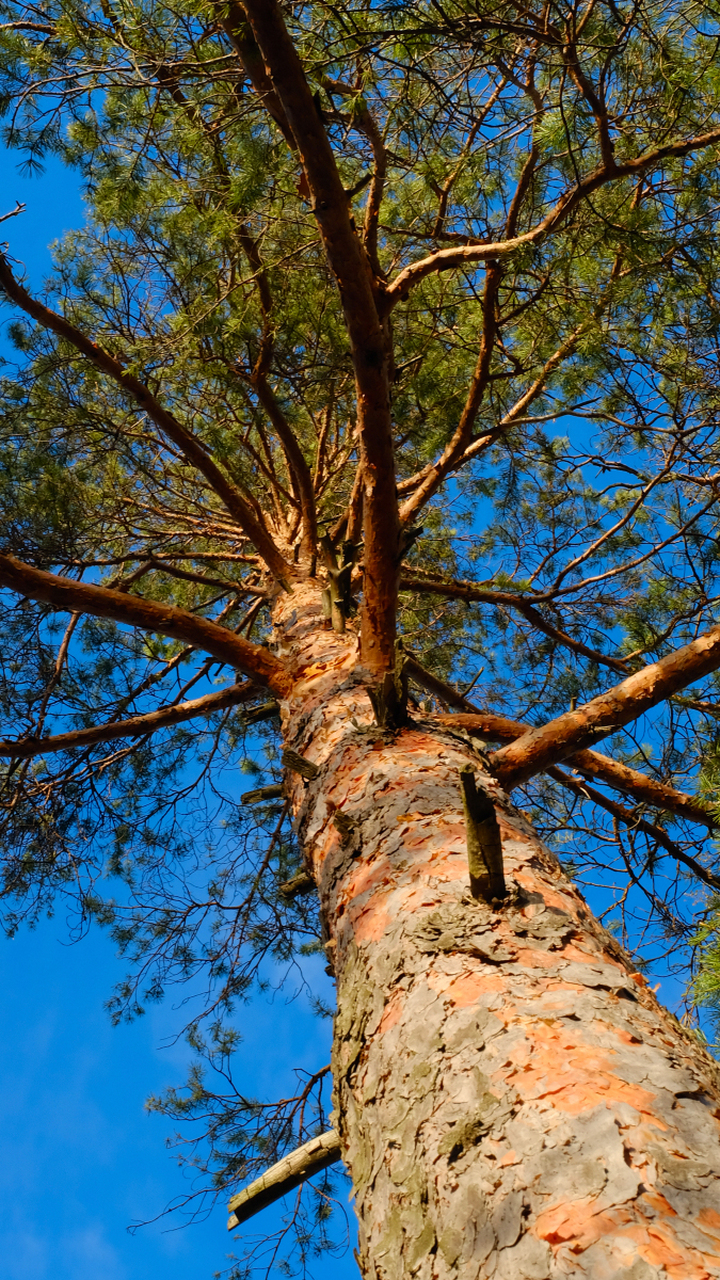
[[512, 1099]]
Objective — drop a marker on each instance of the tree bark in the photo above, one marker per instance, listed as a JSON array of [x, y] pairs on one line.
[[511, 1098]]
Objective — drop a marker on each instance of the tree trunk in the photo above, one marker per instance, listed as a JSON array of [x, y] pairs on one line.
[[511, 1098]]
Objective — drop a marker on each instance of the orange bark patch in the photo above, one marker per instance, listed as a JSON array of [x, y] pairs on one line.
[[627, 1037], [710, 1221], [370, 925], [656, 1200], [579, 1221], [307, 672], [578, 1224], [568, 901], [531, 958], [449, 868], [447, 834], [658, 1247], [365, 878], [392, 1012], [425, 837], [577, 1076], [468, 988]]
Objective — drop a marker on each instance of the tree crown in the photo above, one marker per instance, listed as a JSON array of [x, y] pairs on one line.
[[416, 300]]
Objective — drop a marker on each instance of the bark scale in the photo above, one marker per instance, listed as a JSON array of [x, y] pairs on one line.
[[511, 1098]]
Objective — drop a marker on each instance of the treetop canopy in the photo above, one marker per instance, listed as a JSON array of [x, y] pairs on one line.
[[421, 298]]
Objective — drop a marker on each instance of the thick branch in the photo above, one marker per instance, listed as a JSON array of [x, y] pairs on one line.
[[615, 774], [284, 1176], [364, 121], [167, 620], [191, 448], [619, 776], [137, 726], [558, 739], [240, 36], [369, 341], [462, 255]]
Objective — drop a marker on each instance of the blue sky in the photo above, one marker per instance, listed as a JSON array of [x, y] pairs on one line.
[[82, 1159]]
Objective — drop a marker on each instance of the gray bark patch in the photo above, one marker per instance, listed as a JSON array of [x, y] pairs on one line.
[[453, 928]]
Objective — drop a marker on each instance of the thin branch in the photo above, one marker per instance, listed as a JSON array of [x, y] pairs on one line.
[[363, 120], [19, 208], [521, 191], [513, 415], [444, 191], [57, 673], [484, 595], [636, 823], [297, 465], [191, 448], [462, 255], [463, 433]]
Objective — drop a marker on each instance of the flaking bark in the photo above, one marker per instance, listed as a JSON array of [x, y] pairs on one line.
[[511, 1098]]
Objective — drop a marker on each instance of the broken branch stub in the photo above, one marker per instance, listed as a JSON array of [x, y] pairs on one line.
[[389, 695], [296, 763], [338, 603], [264, 712], [284, 1176], [262, 793], [300, 884], [484, 843]]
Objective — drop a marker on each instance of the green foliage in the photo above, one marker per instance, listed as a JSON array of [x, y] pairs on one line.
[[589, 493]]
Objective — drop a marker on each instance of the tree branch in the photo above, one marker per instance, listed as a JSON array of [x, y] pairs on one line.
[[235, 26], [369, 340], [299, 470], [462, 255], [284, 1176], [363, 120], [555, 741], [463, 433], [190, 447], [103, 602], [635, 823], [614, 773], [619, 776], [138, 726], [477, 445], [486, 595]]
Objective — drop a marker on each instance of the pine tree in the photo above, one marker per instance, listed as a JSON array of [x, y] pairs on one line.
[[380, 388]]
